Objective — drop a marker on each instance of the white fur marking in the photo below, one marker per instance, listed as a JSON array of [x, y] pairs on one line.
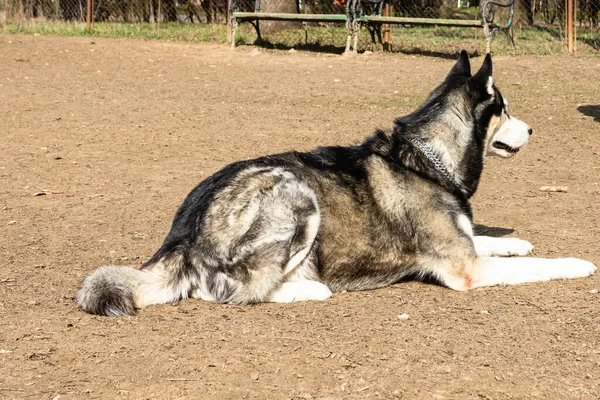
[[511, 271], [490, 86], [152, 288], [486, 246], [465, 224], [290, 292]]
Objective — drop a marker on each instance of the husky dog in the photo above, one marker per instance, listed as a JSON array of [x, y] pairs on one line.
[[297, 226]]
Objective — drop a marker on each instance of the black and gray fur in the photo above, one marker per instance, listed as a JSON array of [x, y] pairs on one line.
[[336, 218]]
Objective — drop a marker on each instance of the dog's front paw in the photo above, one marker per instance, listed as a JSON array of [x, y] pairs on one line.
[[517, 247], [578, 268], [566, 268], [501, 247]]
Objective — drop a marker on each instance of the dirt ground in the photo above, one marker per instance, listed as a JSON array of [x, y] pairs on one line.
[[115, 133]]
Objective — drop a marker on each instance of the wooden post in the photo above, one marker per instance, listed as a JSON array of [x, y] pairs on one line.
[[387, 28], [569, 26], [88, 17], [574, 27], [158, 18]]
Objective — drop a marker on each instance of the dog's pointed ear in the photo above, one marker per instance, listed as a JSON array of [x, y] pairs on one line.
[[462, 66], [483, 78]]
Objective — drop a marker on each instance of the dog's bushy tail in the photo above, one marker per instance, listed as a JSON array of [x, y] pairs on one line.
[[117, 291]]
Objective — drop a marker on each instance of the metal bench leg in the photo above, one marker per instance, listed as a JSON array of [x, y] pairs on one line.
[[350, 33], [234, 25], [355, 30], [490, 28], [348, 40], [256, 25], [348, 25], [511, 35]]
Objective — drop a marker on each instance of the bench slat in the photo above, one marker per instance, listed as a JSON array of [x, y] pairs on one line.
[[289, 17], [424, 21], [342, 18]]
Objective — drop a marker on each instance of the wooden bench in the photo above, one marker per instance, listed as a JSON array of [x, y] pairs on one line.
[[353, 24]]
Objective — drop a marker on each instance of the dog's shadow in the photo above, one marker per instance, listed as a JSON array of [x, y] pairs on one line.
[[590, 111], [494, 231]]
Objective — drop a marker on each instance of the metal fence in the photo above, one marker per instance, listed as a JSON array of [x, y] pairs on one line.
[[587, 24], [537, 24], [126, 11]]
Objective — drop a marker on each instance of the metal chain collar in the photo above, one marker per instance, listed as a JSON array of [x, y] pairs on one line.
[[438, 164]]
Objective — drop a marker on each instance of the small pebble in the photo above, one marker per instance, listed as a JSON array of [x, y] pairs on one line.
[[403, 317]]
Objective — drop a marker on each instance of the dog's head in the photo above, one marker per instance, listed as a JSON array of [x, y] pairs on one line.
[[504, 134]]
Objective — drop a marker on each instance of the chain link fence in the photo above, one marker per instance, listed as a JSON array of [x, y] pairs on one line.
[[538, 25], [126, 11], [587, 16]]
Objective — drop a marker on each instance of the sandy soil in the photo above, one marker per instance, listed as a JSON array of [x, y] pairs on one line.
[[117, 132]]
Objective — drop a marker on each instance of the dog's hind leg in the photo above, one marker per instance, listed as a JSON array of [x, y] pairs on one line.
[[267, 243], [301, 284], [491, 271], [254, 237]]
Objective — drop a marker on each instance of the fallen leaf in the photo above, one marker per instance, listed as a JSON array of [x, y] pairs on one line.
[[554, 188]]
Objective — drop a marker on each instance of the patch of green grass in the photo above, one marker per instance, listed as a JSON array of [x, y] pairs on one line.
[[165, 31], [452, 40], [426, 40]]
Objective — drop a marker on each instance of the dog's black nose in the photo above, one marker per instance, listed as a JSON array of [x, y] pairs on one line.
[[530, 131]]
